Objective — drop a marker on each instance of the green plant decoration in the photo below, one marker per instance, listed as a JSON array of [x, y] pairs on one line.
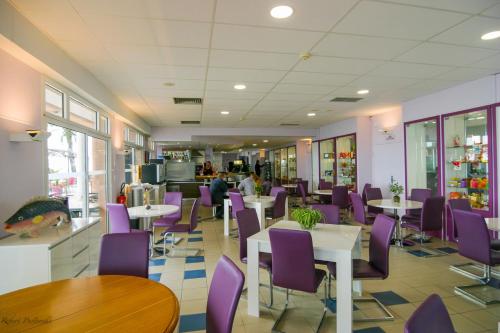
[[258, 190], [396, 191], [307, 217]]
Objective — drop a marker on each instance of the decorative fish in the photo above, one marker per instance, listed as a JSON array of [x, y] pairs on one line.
[[35, 215]]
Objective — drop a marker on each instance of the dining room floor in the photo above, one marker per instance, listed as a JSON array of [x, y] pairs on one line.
[[413, 276]]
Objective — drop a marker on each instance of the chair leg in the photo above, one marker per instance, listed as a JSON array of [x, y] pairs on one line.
[[460, 269], [490, 295], [271, 298], [325, 308], [282, 313]]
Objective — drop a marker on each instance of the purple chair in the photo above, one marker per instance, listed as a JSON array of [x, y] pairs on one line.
[[302, 193], [237, 203], [276, 189], [359, 209], [124, 254], [377, 267], [374, 193], [475, 243], [431, 219], [430, 317], [183, 228], [279, 209], [462, 204], [223, 296], [363, 194], [340, 198], [324, 185], [305, 185], [206, 200], [233, 190], [293, 265], [417, 194], [170, 198], [119, 219], [331, 213], [248, 225]]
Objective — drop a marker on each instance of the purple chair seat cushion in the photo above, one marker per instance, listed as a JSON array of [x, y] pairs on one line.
[[166, 221], [361, 269], [179, 228], [265, 260], [495, 245]]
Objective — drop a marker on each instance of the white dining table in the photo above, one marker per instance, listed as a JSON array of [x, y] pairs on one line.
[[399, 209], [259, 204], [493, 223], [331, 242], [323, 192], [140, 212]]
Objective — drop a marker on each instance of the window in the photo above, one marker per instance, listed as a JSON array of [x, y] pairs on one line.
[[54, 101], [103, 124], [81, 114], [132, 136]]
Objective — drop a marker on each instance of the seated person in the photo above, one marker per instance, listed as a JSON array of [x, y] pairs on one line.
[[247, 185], [266, 187], [218, 188]]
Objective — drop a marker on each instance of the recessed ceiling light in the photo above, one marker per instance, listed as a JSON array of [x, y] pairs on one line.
[[265, 141], [363, 91], [225, 113], [254, 144], [281, 12], [240, 150], [240, 86], [491, 35], [311, 114]]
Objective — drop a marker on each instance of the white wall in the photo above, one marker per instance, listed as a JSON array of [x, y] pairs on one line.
[[304, 161], [364, 151], [339, 128]]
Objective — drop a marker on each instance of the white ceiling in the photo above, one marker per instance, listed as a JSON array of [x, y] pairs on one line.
[[398, 49]]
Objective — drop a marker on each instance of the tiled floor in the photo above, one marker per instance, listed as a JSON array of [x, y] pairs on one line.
[[412, 278]]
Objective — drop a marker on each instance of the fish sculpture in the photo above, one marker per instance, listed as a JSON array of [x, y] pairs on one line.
[[36, 214]]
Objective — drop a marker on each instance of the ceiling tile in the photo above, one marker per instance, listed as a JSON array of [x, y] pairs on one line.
[[233, 95], [158, 83], [490, 62], [228, 103], [194, 10], [337, 65], [166, 94], [377, 83], [319, 17], [409, 70], [244, 75], [165, 71], [372, 18], [228, 86], [469, 33], [234, 37], [465, 74], [152, 55], [443, 54], [252, 60], [302, 89], [140, 31], [352, 46], [493, 11], [293, 97], [318, 78], [466, 6], [86, 51]]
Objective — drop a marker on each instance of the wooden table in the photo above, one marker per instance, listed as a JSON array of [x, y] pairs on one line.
[[336, 243], [108, 303]]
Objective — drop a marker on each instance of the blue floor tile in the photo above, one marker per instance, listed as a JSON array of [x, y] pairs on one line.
[[495, 283], [331, 304], [196, 232], [195, 274], [449, 250], [419, 253], [195, 259], [157, 262], [155, 277], [374, 329], [195, 239], [389, 298], [192, 322]]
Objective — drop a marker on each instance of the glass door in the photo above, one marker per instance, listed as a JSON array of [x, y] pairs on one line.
[[327, 160], [422, 157], [468, 141], [345, 147], [284, 166], [96, 161], [292, 163], [277, 166]]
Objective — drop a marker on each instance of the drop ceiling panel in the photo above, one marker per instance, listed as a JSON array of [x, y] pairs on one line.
[[252, 60], [86, 50], [153, 55], [493, 11], [159, 83], [465, 74], [492, 62], [372, 18], [466, 6], [228, 103], [467, 33], [233, 95], [441, 54], [337, 65], [236, 37], [294, 88], [168, 93], [229, 86], [318, 78], [319, 17], [165, 71], [277, 96], [409, 70], [352, 46], [244, 75]]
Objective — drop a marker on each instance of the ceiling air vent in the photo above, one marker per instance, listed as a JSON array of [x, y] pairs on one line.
[[188, 100], [289, 124], [346, 99], [190, 122]]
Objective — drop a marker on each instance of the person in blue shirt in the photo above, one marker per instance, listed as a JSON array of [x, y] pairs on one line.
[[218, 189]]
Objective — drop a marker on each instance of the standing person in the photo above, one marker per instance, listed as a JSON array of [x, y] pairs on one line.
[[207, 169], [257, 168], [247, 185], [218, 188]]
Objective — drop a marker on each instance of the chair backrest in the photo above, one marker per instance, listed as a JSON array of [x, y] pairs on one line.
[[276, 189], [474, 242], [430, 317], [340, 196], [302, 193], [358, 207], [118, 218], [374, 193], [363, 194], [223, 296], [293, 259], [124, 254], [174, 198], [233, 190], [418, 194], [205, 196], [305, 185], [324, 185], [193, 217], [248, 225], [237, 202], [331, 213], [432, 214], [380, 243], [279, 207], [462, 204]]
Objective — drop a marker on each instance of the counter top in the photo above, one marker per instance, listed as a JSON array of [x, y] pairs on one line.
[[52, 235]]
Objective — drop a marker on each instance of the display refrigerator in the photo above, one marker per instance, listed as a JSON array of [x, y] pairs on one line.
[[345, 148]]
